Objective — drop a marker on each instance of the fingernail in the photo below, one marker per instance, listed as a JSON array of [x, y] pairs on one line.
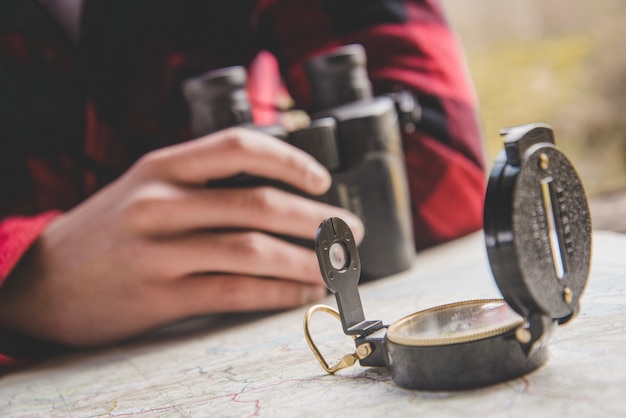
[[318, 178], [312, 293]]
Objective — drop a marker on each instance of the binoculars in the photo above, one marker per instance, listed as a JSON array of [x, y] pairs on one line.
[[353, 133]]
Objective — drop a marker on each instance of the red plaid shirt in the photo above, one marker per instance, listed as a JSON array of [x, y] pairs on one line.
[[73, 117]]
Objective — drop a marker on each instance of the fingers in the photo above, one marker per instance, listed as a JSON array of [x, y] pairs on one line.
[[236, 150], [164, 211], [196, 295], [241, 253]]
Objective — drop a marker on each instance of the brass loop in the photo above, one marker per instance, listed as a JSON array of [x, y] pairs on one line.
[[348, 360]]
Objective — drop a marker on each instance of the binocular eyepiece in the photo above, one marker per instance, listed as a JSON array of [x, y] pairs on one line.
[[338, 77]]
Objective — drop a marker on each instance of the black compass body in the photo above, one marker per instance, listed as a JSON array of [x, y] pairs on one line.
[[537, 229]]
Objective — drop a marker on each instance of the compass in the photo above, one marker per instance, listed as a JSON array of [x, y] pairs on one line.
[[537, 230]]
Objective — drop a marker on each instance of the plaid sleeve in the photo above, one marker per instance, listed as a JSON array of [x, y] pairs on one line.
[[409, 46], [25, 127]]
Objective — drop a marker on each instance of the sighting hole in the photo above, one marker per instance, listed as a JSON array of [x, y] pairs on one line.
[[338, 256]]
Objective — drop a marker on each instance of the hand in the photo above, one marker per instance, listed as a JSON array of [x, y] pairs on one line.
[[157, 246]]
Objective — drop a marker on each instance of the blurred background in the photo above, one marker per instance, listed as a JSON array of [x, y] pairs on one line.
[[561, 62]]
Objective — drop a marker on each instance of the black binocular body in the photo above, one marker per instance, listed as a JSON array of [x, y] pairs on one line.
[[354, 134]]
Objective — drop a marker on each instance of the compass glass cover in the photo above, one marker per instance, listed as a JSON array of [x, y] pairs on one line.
[[455, 323]]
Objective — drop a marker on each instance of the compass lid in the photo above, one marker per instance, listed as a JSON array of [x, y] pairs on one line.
[[537, 225]]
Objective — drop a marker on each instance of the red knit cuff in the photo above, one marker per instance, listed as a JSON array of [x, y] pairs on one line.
[[17, 234]]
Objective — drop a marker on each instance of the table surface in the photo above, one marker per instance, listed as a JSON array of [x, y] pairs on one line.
[[260, 365]]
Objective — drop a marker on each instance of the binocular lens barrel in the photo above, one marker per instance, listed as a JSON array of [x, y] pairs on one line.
[[219, 98], [338, 78]]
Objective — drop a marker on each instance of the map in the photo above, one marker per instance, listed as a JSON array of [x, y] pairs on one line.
[[251, 365]]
